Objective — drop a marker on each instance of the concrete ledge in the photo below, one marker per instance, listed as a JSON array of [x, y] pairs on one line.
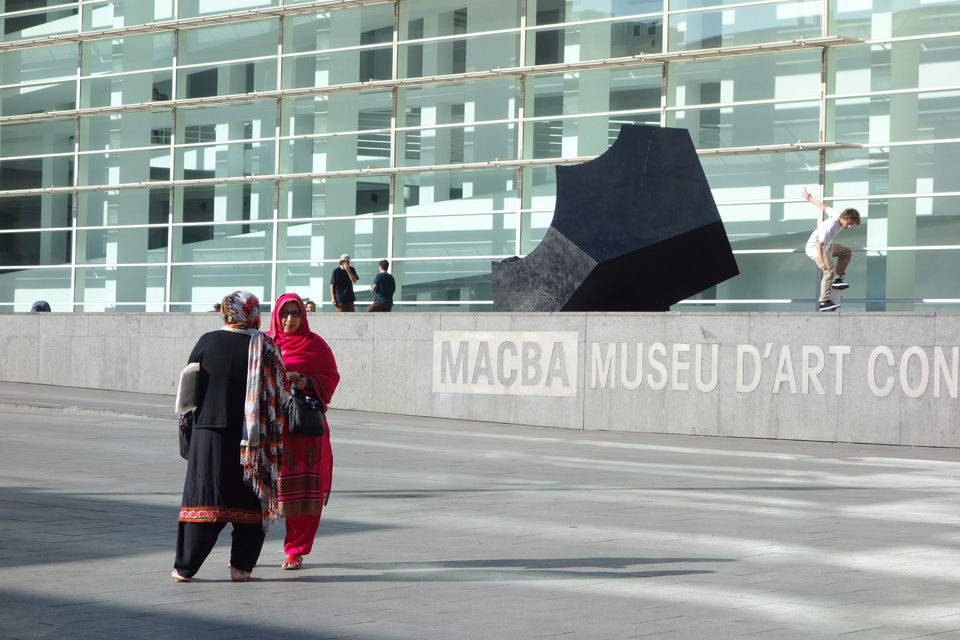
[[871, 378]]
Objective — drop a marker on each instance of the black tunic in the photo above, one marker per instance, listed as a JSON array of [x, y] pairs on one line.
[[214, 490]]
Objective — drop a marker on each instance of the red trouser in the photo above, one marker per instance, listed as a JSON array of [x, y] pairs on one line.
[[301, 531]]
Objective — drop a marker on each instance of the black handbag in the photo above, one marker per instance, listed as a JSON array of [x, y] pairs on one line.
[[306, 415], [186, 430]]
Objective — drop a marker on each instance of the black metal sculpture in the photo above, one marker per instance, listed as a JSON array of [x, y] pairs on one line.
[[635, 229]]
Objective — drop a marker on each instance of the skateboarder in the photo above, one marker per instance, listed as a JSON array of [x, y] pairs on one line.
[[822, 250]]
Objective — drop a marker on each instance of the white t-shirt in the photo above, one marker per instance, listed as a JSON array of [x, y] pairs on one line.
[[825, 232]]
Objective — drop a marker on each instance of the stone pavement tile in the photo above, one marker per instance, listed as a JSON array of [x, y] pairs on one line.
[[440, 529]]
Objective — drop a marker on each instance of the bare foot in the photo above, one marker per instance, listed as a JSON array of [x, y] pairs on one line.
[[239, 576], [179, 578]]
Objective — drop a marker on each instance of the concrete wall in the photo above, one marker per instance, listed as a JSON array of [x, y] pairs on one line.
[[876, 378]]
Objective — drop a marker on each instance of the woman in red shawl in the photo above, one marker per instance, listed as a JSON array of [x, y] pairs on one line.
[[307, 471]]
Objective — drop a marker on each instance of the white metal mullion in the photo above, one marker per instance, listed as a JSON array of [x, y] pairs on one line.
[[664, 49], [274, 257], [75, 196], [521, 128], [392, 179], [168, 298]]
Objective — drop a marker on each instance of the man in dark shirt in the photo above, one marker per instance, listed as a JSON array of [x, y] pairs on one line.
[[383, 289], [341, 285]]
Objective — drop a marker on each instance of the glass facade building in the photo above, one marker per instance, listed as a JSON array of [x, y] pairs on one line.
[[156, 154]]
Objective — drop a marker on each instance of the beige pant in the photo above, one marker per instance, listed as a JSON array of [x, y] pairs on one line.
[[843, 255]]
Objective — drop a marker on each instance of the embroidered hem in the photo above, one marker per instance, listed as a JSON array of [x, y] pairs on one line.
[[220, 514]]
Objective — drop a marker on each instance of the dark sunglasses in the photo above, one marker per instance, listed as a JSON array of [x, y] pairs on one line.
[[294, 314]]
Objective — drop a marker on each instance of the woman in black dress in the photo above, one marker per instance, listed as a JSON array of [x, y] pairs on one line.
[[243, 397]]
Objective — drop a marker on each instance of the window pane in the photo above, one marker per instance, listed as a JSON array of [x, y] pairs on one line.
[[762, 177], [126, 206], [234, 41], [124, 167], [227, 79], [39, 64], [16, 101], [20, 288], [226, 122], [745, 25], [769, 225], [534, 225], [225, 160], [456, 145], [223, 202], [37, 248], [460, 235], [120, 246], [582, 136], [34, 138], [432, 18], [47, 211], [925, 168], [476, 101], [334, 197], [130, 53], [859, 69], [223, 243], [128, 89], [541, 12], [310, 282], [348, 27], [477, 53], [896, 118], [124, 130], [448, 191], [335, 153], [439, 281], [364, 238], [594, 91], [108, 288], [792, 276], [780, 76], [195, 287], [336, 112], [594, 41], [122, 13], [749, 124], [38, 25], [540, 188], [338, 67], [195, 8], [36, 173], [872, 21]]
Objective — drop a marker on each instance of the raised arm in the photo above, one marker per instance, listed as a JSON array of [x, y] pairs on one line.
[[809, 198]]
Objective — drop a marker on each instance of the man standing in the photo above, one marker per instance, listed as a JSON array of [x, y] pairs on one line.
[[341, 285], [383, 289], [822, 250]]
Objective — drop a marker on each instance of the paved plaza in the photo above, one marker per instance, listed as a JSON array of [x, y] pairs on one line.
[[443, 529]]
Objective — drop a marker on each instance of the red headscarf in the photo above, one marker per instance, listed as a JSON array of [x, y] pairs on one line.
[[304, 351]]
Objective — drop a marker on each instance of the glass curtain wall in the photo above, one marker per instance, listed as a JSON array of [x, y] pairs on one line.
[[156, 155]]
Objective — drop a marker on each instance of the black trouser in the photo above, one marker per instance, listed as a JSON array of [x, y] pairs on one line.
[[195, 541]]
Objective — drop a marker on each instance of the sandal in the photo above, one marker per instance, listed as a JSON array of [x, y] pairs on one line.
[[292, 561], [239, 576], [179, 578]]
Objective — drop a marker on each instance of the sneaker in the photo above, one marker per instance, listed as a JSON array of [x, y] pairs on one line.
[[829, 305], [838, 283]]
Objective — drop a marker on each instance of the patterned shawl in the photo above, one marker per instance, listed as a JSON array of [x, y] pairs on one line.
[[266, 405]]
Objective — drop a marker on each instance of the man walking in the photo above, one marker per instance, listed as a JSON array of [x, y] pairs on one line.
[[341, 285], [822, 250]]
